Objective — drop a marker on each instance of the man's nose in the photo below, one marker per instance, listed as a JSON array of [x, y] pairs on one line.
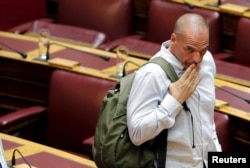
[[197, 57]]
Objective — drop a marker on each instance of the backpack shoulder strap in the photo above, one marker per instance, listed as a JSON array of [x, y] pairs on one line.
[[125, 87], [166, 66]]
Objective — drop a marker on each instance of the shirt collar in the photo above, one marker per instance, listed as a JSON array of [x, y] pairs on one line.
[[166, 54]]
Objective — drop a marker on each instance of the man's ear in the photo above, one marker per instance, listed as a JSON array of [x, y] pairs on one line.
[[172, 38]]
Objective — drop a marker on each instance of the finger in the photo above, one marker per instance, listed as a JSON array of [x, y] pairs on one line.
[[193, 74], [195, 71], [188, 71]]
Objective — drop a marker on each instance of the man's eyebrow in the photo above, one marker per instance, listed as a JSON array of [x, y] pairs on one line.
[[189, 47]]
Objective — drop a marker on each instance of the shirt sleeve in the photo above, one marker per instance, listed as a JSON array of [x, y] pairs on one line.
[[150, 108]]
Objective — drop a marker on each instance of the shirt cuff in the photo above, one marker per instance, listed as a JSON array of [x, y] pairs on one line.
[[171, 105]]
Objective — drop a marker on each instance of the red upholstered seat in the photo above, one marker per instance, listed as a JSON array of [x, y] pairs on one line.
[[242, 43], [113, 17], [223, 129], [74, 104], [15, 12]]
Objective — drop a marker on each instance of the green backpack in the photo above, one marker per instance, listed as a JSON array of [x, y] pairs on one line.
[[112, 145]]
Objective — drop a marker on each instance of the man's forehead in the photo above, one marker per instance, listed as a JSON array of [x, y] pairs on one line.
[[197, 41]]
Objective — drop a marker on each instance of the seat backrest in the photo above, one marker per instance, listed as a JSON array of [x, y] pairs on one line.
[[242, 41], [74, 104], [224, 130], [113, 17], [65, 32], [15, 12], [162, 17]]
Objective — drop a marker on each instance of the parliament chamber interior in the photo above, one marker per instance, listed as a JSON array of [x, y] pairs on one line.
[[56, 100]]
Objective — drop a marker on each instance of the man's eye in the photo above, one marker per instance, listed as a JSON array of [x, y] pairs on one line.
[[189, 49]]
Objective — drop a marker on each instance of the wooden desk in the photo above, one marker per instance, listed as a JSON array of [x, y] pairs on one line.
[[25, 82], [28, 44], [42, 156]]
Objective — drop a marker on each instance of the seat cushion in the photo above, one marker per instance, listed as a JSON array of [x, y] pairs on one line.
[[71, 33]]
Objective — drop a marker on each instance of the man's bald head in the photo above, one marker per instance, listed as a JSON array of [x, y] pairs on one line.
[[192, 23]]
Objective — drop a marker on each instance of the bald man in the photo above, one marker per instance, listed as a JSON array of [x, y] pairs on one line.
[[156, 104]]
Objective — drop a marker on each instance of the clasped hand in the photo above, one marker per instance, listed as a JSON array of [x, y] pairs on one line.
[[186, 84]]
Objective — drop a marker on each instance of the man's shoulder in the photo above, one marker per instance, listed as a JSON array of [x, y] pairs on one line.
[[208, 59], [151, 71], [208, 64]]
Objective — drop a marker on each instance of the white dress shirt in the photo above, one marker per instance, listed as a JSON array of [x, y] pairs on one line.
[[151, 109]]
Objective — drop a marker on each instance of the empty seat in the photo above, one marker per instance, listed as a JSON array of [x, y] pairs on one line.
[[224, 131], [16, 12], [241, 53], [113, 17], [74, 104]]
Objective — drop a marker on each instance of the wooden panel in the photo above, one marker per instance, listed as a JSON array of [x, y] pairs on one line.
[[23, 84], [241, 135], [229, 23]]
